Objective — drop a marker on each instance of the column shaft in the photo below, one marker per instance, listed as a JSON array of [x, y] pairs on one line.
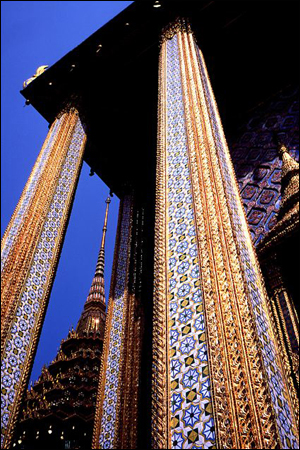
[[218, 378], [106, 428], [116, 420], [31, 249]]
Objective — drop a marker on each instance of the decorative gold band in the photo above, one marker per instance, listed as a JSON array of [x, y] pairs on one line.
[[179, 25], [160, 386]]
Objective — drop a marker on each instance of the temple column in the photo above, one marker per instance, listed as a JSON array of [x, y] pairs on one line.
[[218, 379], [286, 324], [31, 247], [116, 418]]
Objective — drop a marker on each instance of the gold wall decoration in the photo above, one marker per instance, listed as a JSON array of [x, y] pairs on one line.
[[218, 377], [30, 251]]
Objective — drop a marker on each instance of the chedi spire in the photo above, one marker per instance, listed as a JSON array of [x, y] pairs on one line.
[[91, 317], [289, 185]]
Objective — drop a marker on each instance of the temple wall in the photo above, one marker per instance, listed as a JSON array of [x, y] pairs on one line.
[[256, 161]]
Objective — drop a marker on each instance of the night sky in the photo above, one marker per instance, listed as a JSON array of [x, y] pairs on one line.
[[36, 33]]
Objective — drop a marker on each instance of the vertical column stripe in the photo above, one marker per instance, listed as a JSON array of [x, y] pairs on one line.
[[13, 227], [252, 276], [110, 384], [19, 257], [30, 306], [191, 421]]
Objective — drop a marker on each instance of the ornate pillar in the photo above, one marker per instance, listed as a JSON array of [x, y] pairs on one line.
[[31, 247], [286, 323], [116, 418], [218, 380]]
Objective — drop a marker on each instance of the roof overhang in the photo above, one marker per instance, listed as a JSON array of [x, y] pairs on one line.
[[251, 50]]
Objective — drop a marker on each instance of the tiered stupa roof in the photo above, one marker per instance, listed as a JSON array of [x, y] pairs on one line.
[[288, 214]]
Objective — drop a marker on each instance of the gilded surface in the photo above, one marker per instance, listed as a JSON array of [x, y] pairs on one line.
[[250, 406], [272, 369], [179, 25], [129, 412], [24, 229], [110, 390], [35, 250], [191, 405], [160, 384], [281, 304]]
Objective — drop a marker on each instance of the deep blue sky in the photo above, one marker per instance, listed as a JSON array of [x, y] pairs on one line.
[[35, 33]]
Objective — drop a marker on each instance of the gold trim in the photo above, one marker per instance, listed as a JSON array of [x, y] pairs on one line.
[[13, 255], [253, 258], [161, 432], [132, 350], [242, 316], [293, 315], [206, 233], [234, 314], [180, 25], [286, 350]]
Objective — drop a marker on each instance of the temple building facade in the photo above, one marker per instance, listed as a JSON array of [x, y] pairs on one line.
[[201, 340]]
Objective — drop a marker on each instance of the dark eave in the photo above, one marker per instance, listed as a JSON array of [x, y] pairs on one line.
[[251, 50]]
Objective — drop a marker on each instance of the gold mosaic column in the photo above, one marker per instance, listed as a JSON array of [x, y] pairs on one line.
[[30, 250], [218, 379], [285, 324], [116, 418]]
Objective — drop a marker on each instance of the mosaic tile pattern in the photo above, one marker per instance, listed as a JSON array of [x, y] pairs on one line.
[[21, 335], [112, 388], [28, 193], [256, 161], [276, 385], [191, 409]]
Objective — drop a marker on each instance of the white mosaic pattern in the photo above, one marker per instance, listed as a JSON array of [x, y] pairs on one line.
[[30, 189], [112, 389], [191, 410], [283, 413], [20, 336]]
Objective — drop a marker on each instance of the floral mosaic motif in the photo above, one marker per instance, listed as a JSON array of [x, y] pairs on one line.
[[192, 415], [272, 364], [267, 196], [107, 434], [28, 193], [32, 297], [209, 430], [249, 192], [177, 440], [188, 377], [255, 216]]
